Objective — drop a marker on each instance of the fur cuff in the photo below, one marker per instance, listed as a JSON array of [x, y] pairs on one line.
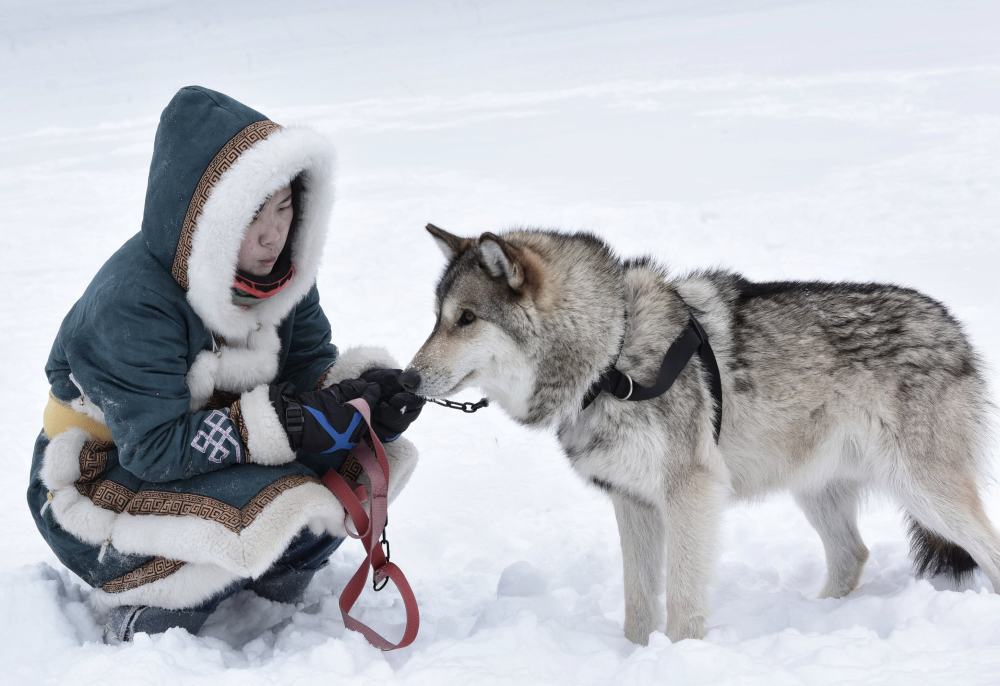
[[353, 361], [263, 434]]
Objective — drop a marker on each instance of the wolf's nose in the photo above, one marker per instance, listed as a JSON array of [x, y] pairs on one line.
[[410, 380]]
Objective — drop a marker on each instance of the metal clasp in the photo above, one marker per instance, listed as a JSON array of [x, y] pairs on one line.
[[379, 584]]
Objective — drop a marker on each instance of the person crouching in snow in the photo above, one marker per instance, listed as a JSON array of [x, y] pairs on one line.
[[195, 392]]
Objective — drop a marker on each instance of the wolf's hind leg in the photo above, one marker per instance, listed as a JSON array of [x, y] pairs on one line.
[[833, 512], [640, 527], [691, 518]]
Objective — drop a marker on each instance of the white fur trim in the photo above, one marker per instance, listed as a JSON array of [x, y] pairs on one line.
[[267, 442], [74, 512], [353, 361], [189, 586], [261, 170], [201, 378], [235, 369], [61, 463], [248, 553], [240, 369]]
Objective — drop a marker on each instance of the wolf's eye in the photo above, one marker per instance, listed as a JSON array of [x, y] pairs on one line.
[[466, 318]]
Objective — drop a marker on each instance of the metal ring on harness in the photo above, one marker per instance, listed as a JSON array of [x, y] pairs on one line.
[[631, 386]]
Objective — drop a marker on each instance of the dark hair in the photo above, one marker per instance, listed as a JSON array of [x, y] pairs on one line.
[[298, 185]]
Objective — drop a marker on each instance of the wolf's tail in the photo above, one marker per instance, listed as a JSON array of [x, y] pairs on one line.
[[933, 555]]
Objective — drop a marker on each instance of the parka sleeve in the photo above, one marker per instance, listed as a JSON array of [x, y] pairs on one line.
[[310, 352], [133, 365]]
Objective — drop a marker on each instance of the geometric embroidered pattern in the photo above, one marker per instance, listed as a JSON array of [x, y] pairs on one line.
[[351, 469], [188, 504], [107, 494], [217, 438], [111, 495], [253, 508], [220, 164], [94, 459], [154, 570], [236, 417]]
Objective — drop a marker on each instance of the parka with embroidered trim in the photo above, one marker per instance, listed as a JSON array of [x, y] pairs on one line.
[[163, 474]]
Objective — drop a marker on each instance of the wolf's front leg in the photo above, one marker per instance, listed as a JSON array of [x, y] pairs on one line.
[[691, 517], [640, 527]]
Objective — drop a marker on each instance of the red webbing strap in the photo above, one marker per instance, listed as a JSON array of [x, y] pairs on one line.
[[372, 524]]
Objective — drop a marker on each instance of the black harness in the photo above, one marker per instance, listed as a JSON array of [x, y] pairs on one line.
[[692, 340]]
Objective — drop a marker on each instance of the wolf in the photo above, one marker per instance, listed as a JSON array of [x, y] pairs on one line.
[[830, 391]]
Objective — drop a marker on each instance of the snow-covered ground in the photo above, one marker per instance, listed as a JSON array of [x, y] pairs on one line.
[[813, 140]]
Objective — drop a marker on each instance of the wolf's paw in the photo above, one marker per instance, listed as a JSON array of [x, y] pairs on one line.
[[844, 574], [641, 619], [834, 589], [683, 628], [638, 635]]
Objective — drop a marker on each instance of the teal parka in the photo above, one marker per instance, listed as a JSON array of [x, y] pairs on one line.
[[198, 486]]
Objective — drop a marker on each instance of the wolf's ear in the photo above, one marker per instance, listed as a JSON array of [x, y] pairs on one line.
[[450, 244], [500, 259]]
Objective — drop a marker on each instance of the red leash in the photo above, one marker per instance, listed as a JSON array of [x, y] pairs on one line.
[[370, 528]]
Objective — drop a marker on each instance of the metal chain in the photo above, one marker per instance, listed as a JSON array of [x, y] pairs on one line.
[[464, 407]]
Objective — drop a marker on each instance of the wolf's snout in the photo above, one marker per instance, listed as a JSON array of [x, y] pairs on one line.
[[410, 380]]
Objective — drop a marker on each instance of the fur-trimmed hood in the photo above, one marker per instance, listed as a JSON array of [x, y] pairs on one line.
[[214, 162]]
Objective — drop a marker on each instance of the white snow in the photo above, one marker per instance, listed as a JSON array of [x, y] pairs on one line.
[[788, 140]]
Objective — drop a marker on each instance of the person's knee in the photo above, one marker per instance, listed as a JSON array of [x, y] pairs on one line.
[[287, 579], [308, 551]]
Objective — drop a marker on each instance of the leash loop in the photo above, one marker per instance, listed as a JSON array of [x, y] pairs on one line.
[[372, 520]]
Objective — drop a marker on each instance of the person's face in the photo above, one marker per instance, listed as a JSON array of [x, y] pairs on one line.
[[267, 233]]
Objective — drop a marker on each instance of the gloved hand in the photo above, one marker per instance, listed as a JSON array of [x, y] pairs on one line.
[[321, 422], [397, 408]]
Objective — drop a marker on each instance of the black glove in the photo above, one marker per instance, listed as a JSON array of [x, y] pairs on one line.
[[321, 422], [397, 408]]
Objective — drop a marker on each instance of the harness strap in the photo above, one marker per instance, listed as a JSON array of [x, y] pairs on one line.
[[372, 523], [692, 340]]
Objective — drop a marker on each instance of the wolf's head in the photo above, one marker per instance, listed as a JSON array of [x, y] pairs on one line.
[[530, 317]]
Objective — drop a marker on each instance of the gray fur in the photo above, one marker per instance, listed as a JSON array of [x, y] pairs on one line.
[[831, 390]]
